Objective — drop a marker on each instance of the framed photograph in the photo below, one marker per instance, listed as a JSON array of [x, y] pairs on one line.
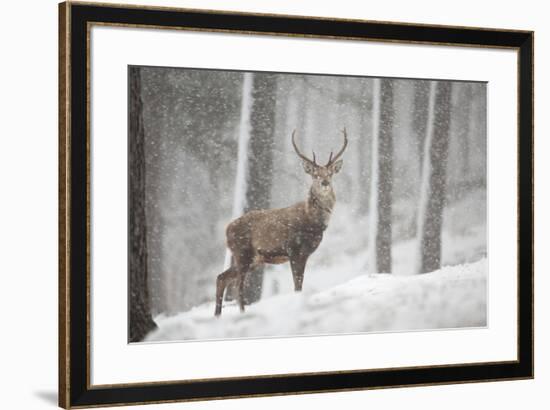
[[256, 205]]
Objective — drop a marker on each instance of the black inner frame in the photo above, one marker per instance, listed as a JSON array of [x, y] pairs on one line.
[[81, 395]]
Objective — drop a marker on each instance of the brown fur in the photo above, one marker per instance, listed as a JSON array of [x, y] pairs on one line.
[[275, 236]]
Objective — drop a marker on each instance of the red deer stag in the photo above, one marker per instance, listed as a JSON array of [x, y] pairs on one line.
[[280, 235]]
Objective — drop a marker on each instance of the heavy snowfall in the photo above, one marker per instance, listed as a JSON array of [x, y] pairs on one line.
[[405, 248]]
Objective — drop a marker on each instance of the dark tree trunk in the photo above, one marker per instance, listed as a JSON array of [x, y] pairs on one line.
[[155, 128], [434, 178], [260, 162], [140, 322], [382, 178]]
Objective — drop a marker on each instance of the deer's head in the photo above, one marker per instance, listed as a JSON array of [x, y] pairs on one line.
[[321, 174]]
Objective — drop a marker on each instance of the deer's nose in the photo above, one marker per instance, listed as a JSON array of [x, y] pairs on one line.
[[325, 183]]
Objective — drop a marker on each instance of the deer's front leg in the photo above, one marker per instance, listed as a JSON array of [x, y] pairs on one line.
[[298, 266], [240, 286]]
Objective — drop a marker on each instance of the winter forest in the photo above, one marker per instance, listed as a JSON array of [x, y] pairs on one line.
[[404, 249]]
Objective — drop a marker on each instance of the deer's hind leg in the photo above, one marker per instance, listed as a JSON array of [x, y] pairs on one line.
[[222, 281], [244, 262]]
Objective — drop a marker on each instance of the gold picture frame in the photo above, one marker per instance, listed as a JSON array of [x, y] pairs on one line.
[[75, 221]]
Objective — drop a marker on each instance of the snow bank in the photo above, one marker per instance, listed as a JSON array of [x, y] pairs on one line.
[[448, 298]]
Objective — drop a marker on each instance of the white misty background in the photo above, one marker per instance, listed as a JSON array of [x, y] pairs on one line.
[[202, 169]]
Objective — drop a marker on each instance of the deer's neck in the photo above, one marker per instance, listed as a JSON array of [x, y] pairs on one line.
[[319, 207]]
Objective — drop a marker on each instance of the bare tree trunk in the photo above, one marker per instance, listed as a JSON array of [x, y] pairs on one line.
[[140, 322], [420, 115], [463, 116], [241, 176], [381, 177], [419, 125], [260, 162], [363, 146], [239, 198], [433, 187], [154, 127]]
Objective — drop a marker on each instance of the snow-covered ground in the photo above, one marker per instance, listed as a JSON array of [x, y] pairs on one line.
[[452, 297], [340, 294]]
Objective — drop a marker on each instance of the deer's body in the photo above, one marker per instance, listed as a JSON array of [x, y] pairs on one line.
[[272, 236], [275, 236]]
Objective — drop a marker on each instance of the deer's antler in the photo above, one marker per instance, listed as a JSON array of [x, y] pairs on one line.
[[302, 156], [331, 159]]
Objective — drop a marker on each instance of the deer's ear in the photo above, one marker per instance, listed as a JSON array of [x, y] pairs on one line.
[[308, 167], [337, 166]]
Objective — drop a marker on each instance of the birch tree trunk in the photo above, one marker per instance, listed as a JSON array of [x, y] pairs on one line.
[[365, 129], [239, 197], [419, 124], [241, 177], [380, 234], [433, 186], [141, 321]]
